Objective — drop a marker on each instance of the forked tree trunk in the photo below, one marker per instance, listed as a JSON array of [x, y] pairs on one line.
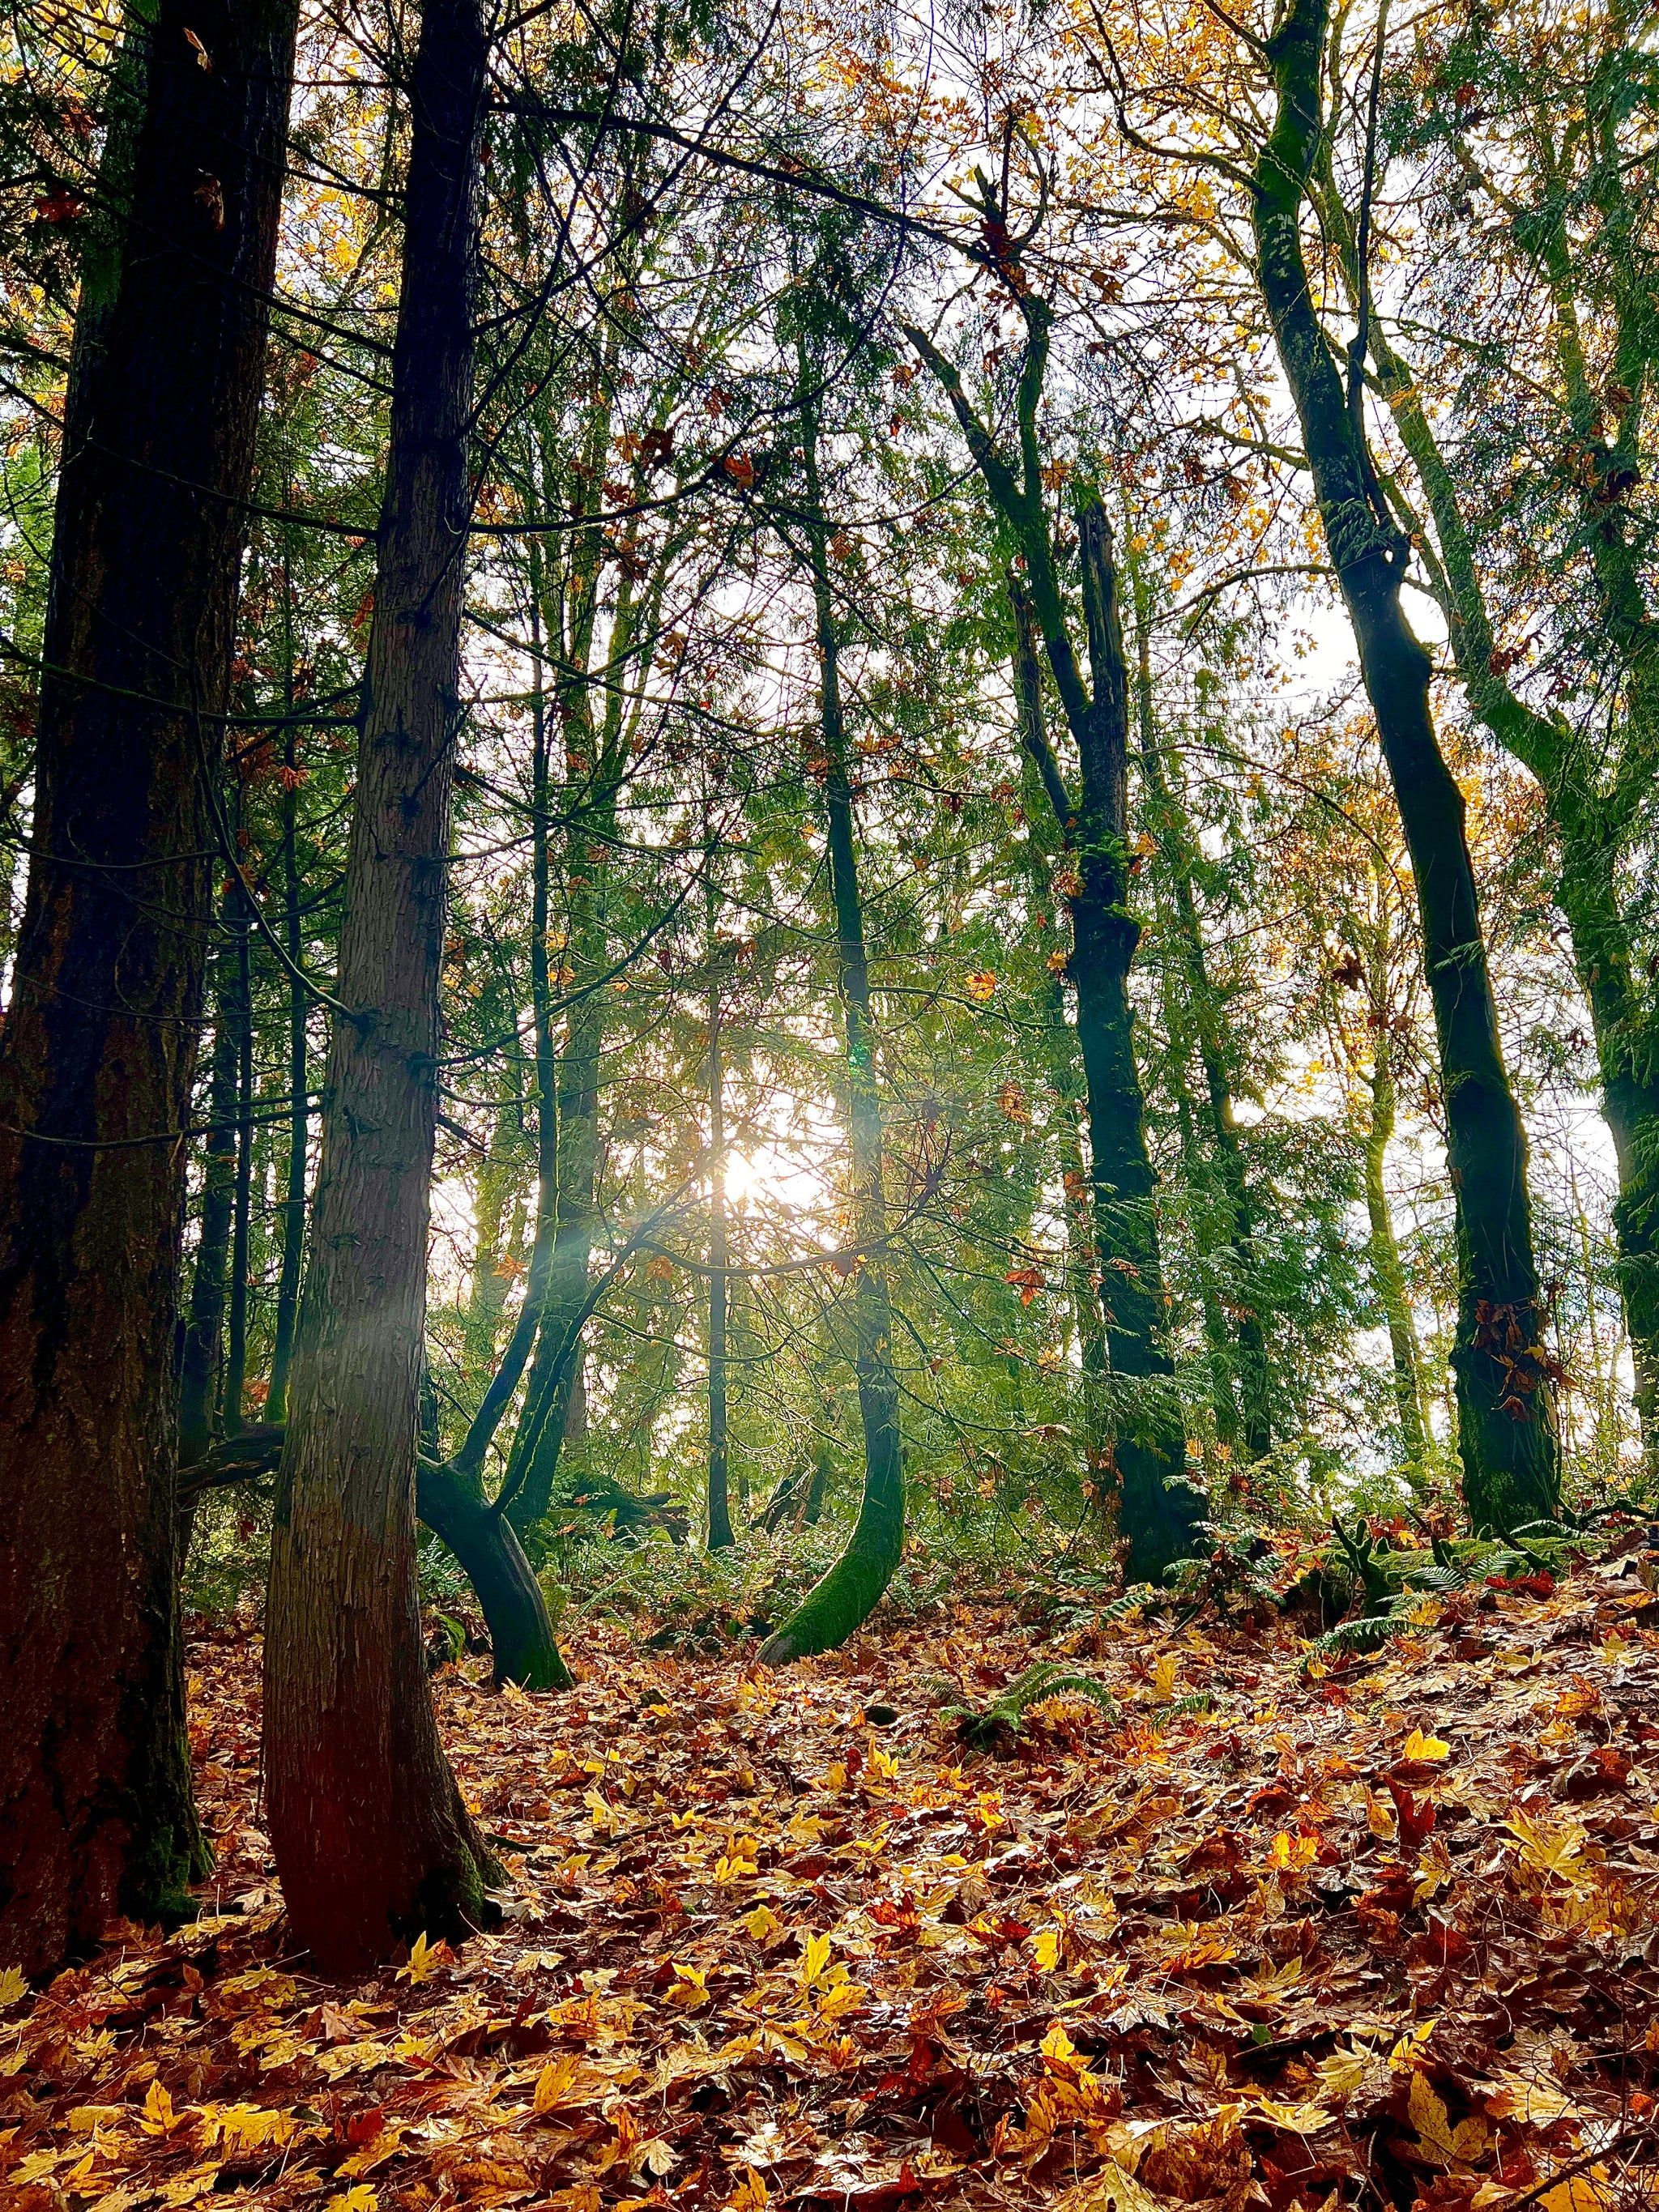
[[372, 1842], [1506, 1415], [99, 1039], [846, 1596]]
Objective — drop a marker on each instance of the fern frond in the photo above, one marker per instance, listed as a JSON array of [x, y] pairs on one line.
[[1367, 1633]]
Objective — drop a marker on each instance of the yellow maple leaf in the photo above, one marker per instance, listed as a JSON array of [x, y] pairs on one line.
[[1059, 2054], [1045, 1949], [423, 1960], [1549, 1846], [159, 2117], [1583, 2192], [814, 1959], [361, 2197], [689, 1988], [553, 2083], [1441, 2143], [1420, 1750], [749, 2195], [762, 1922], [1296, 2119], [838, 2003], [981, 986]]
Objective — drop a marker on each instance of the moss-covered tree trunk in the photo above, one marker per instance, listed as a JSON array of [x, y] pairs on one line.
[[372, 1842], [1592, 814], [1507, 1427], [846, 1596], [1160, 1507], [98, 1052]]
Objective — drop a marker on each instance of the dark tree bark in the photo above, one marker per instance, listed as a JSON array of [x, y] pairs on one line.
[[846, 1596], [1506, 1416], [100, 1040], [372, 1842], [1159, 1508]]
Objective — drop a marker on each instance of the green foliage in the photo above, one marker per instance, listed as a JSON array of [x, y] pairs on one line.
[[997, 1726]]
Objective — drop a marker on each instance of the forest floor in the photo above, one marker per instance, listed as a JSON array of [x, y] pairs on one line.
[[1381, 1936]]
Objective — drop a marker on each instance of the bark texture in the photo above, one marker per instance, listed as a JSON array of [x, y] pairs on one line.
[[100, 1040], [372, 1842]]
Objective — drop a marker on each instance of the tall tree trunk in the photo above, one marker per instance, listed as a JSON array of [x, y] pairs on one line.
[[719, 1511], [299, 1015], [1160, 1509], [242, 1207], [1169, 829], [1593, 816], [100, 1038], [372, 1839], [846, 1596], [1082, 1261], [1386, 1267], [198, 1380], [1506, 1426]]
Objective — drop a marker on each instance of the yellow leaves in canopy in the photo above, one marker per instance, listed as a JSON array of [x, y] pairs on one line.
[[981, 986], [1440, 2142]]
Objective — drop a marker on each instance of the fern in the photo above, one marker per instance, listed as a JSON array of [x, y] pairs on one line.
[[996, 1726], [1368, 1632], [1197, 1701]]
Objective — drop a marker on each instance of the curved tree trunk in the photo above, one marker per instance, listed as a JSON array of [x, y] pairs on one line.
[[372, 1842], [100, 1038], [1506, 1416], [847, 1595], [485, 1542]]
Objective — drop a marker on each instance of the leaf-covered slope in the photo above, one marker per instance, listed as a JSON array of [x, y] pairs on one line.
[[1392, 1931]]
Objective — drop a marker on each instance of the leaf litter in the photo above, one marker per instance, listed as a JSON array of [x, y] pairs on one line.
[[1247, 1931]]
